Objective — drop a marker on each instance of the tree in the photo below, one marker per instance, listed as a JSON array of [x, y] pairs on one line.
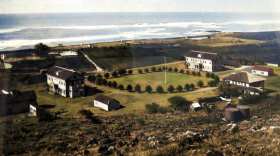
[[106, 75], [170, 69], [98, 75], [41, 47], [98, 80], [179, 101], [193, 73], [137, 88], [212, 75], [114, 84], [148, 89], [181, 71], [103, 82], [211, 83], [92, 78], [122, 72], [175, 70], [153, 69], [152, 108], [114, 74], [130, 72], [121, 87], [192, 86], [146, 70], [216, 79], [140, 71], [170, 89], [199, 84], [179, 88], [198, 74], [129, 88], [188, 72], [159, 69], [164, 69], [159, 89], [207, 74], [187, 87], [109, 83]]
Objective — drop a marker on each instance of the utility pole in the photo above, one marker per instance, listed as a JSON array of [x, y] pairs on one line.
[[165, 69]]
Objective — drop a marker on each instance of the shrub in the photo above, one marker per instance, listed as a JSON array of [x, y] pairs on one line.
[[148, 89], [109, 83], [175, 70], [207, 74], [159, 89], [122, 72], [98, 80], [98, 75], [211, 83], [121, 87], [137, 88], [212, 75], [129, 88], [170, 69], [216, 80], [130, 71], [85, 112], [159, 69], [188, 72], [170, 89], [92, 78], [114, 84], [106, 75], [198, 74], [162, 110], [187, 87], [178, 101], [140, 71], [193, 73], [114, 74], [200, 84], [181, 71], [192, 86], [179, 88], [250, 99], [152, 108], [153, 69], [146, 70], [103, 82], [164, 68]]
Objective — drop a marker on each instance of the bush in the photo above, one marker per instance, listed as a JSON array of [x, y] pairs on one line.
[[129, 88], [164, 68], [121, 87], [85, 112], [114, 74], [170, 69], [46, 116], [193, 73], [207, 74], [109, 83], [140, 71], [179, 88], [175, 70], [148, 89], [98, 80], [211, 83], [170, 89], [153, 69], [106, 75], [187, 87], [250, 99], [200, 84], [146, 70], [178, 101], [130, 71], [192, 86], [212, 75], [159, 89], [181, 71], [152, 108], [198, 74], [188, 72], [137, 88], [41, 47], [216, 80], [114, 84], [159, 69], [103, 82], [98, 75], [92, 78], [122, 72], [162, 110]]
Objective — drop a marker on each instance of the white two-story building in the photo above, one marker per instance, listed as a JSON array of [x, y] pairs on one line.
[[65, 82], [204, 61]]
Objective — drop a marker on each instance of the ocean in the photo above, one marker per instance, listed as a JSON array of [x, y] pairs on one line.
[[23, 31]]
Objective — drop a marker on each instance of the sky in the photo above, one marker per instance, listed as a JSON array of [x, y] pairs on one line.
[[56, 6]]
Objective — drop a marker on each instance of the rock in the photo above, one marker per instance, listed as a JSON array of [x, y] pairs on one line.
[[111, 148]]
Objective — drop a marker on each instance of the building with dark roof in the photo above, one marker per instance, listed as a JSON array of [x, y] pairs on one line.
[[263, 71], [65, 82], [204, 61], [17, 102], [246, 82], [106, 103]]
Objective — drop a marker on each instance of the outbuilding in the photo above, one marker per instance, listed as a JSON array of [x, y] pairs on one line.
[[263, 71], [195, 107], [106, 103]]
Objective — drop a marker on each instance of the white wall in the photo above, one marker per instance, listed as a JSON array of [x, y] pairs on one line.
[[272, 64], [100, 105], [258, 72]]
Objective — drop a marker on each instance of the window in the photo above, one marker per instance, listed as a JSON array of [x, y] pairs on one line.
[[254, 71], [262, 72]]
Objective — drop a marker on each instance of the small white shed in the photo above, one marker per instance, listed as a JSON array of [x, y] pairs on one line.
[[195, 106]]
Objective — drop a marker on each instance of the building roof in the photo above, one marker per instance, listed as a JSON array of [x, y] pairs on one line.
[[61, 73], [196, 105], [17, 96], [244, 77], [262, 68], [104, 99], [203, 55], [250, 89]]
